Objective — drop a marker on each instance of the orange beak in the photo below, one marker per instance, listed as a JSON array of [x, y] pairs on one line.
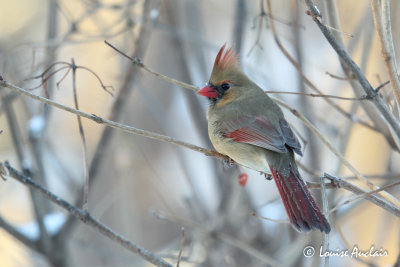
[[209, 92]]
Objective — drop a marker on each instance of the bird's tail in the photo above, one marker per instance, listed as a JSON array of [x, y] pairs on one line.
[[300, 206]]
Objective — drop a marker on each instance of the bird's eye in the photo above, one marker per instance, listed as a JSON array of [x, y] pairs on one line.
[[225, 86]]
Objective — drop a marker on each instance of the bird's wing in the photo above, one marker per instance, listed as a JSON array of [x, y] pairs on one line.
[[260, 132], [290, 138]]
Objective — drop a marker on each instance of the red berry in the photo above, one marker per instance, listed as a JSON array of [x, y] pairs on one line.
[[243, 179]]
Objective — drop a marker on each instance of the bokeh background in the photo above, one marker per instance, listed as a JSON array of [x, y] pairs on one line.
[[148, 190]]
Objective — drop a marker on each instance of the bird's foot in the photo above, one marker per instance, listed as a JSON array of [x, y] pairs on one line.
[[229, 162], [267, 176]]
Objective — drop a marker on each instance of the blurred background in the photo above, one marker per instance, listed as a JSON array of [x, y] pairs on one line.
[[148, 190]]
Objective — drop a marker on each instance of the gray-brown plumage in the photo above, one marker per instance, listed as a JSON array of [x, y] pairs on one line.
[[246, 125]]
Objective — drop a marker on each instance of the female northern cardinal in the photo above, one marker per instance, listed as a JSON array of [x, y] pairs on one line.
[[246, 125]]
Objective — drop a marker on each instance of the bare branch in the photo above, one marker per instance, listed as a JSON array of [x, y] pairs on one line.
[[382, 25], [325, 206], [85, 217], [371, 93], [317, 95], [182, 243], [345, 162], [139, 63], [303, 76], [114, 124], [83, 139], [367, 195], [17, 234], [269, 219]]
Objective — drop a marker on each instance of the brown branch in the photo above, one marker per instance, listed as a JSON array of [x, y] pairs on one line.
[[177, 142], [345, 57], [382, 24], [338, 77], [345, 162], [137, 62], [304, 77], [317, 95], [116, 125], [364, 195], [325, 207], [121, 99], [260, 17], [83, 139], [341, 183], [39, 208], [369, 108], [85, 217]]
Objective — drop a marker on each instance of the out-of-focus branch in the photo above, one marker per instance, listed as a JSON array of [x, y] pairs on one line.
[[298, 68], [382, 25], [369, 108], [325, 207], [318, 95], [123, 94], [114, 124], [226, 238], [10, 229], [182, 243], [345, 162], [370, 92], [139, 63], [83, 139], [341, 183], [85, 217], [187, 145], [37, 202], [238, 30]]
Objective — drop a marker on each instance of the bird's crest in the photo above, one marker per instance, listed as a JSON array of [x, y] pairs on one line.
[[223, 61]]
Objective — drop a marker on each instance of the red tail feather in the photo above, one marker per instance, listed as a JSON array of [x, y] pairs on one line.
[[300, 206]]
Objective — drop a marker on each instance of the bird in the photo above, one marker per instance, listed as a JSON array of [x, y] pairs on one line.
[[246, 125]]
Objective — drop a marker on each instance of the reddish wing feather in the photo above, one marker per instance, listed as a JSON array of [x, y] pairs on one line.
[[255, 131]]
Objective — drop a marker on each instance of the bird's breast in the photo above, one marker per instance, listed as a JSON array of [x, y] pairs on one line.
[[247, 155]]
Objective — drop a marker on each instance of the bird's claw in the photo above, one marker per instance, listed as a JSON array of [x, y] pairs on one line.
[[230, 162], [268, 176]]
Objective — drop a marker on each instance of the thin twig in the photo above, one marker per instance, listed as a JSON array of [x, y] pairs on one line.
[[85, 217], [345, 162], [317, 95], [370, 92], [382, 24], [381, 86], [325, 206], [338, 77], [304, 77], [182, 243], [83, 139], [116, 125], [39, 207], [177, 142], [120, 101], [269, 219], [260, 18], [370, 195], [370, 110], [139, 63]]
